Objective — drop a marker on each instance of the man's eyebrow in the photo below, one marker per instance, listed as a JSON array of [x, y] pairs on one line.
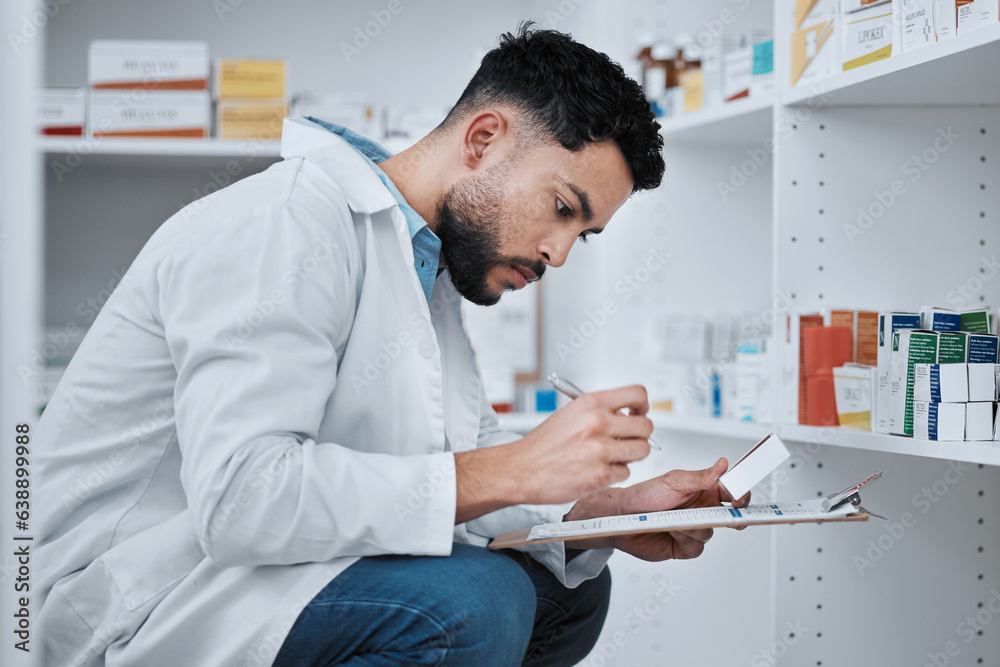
[[588, 213]]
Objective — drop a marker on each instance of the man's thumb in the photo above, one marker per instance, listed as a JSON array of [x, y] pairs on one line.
[[720, 466]]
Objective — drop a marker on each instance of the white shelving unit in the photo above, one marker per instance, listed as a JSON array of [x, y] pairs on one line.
[[732, 122], [158, 147], [987, 453], [524, 422], [850, 135], [948, 73], [856, 596]]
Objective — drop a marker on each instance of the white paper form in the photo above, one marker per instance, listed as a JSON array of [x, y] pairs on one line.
[[689, 518]]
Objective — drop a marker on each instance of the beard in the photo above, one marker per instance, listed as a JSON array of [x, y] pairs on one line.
[[472, 223]]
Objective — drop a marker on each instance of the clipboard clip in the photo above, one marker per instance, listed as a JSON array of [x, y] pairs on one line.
[[851, 495]]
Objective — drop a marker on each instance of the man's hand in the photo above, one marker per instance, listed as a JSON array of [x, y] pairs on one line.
[[676, 489], [583, 447]]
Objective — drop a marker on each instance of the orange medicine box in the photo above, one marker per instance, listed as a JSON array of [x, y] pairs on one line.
[[250, 119], [247, 77]]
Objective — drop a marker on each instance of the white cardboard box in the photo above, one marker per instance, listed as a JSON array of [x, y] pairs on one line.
[[815, 51], [941, 383], [157, 113], [918, 29], [61, 111], [354, 111], [868, 35], [811, 12], [965, 16], [987, 12], [754, 466], [737, 65], [979, 420], [982, 382], [944, 19], [853, 386], [910, 347], [151, 65], [888, 323], [938, 421]]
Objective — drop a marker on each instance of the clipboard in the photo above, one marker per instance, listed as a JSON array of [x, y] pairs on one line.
[[837, 507]]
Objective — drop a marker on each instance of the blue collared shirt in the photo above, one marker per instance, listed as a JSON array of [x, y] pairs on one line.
[[426, 244]]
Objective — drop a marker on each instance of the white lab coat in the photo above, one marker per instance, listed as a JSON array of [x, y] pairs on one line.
[[266, 397]]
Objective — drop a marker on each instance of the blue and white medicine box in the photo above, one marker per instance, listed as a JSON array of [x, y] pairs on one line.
[[941, 383], [938, 421], [940, 319]]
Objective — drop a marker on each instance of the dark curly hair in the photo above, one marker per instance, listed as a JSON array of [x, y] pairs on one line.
[[572, 93]]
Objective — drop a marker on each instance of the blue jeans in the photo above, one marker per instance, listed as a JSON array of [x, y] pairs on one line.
[[475, 607]]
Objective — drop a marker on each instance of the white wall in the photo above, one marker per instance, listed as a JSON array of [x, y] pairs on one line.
[[425, 54]]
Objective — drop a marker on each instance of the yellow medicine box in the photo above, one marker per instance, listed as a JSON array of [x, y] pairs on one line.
[[245, 77], [250, 119]]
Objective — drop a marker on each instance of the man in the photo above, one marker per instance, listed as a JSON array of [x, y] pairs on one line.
[[273, 446]]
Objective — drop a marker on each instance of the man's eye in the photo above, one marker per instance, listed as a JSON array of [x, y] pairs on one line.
[[562, 209], [583, 237]]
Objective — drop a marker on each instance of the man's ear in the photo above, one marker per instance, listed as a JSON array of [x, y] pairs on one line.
[[482, 136]]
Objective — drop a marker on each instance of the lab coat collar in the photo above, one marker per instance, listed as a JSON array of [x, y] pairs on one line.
[[364, 192]]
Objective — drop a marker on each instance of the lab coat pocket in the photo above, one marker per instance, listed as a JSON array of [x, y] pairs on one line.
[[149, 563]]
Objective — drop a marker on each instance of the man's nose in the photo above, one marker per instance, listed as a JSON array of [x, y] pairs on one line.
[[555, 250]]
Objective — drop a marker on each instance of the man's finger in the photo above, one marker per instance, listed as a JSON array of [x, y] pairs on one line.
[[692, 481], [687, 546], [628, 426], [699, 535], [633, 397], [626, 450]]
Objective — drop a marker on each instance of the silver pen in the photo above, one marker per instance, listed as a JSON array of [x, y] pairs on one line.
[[565, 386]]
